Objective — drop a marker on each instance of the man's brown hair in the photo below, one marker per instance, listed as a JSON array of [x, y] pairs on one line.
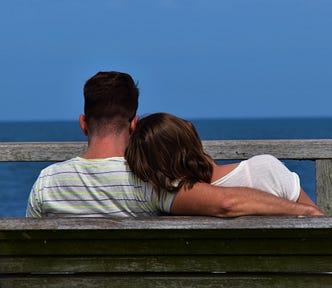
[[110, 97]]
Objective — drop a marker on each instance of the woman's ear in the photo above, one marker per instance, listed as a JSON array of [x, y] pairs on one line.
[[83, 125], [133, 124]]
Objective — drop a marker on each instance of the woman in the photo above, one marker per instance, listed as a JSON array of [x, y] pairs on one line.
[[167, 152]]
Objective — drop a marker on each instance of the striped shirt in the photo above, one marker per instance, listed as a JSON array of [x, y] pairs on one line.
[[94, 188]]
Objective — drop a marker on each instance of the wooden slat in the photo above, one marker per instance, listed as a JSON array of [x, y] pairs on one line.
[[166, 264], [216, 280], [324, 185], [283, 149], [219, 149], [185, 246], [167, 236], [40, 151], [174, 223]]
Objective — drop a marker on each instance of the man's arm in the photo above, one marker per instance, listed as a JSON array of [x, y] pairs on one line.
[[305, 199], [34, 204], [209, 200]]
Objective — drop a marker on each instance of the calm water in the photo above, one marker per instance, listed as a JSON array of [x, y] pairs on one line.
[[16, 179]]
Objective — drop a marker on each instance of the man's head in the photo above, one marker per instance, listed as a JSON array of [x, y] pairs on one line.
[[110, 102]]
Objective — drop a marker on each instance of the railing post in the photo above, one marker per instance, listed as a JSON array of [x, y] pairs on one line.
[[324, 185]]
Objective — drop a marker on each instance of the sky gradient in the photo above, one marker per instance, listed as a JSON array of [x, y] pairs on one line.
[[192, 58]]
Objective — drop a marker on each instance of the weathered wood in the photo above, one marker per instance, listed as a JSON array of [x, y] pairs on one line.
[[191, 236], [212, 280], [218, 149], [40, 151], [166, 264], [183, 246], [283, 149], [324, 185], [161, 223], [167, 251]]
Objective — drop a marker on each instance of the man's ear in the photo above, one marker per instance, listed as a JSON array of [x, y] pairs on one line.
[[133, 124], [83, 125]]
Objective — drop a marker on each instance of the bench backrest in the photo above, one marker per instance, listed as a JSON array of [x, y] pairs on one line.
[[166, 251]]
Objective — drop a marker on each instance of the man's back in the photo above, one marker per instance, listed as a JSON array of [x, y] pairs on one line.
[[93, 188]]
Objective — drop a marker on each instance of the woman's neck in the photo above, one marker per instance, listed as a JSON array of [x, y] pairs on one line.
[[220, 171]]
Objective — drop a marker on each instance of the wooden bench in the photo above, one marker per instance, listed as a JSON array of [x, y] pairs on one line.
[[169, 251]]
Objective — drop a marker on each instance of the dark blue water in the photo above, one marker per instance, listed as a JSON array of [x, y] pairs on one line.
[[16, 179]]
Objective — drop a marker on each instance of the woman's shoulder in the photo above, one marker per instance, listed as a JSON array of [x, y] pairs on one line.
[[263, 159]]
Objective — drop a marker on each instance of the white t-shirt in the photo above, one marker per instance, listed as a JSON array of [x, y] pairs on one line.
[[264, 172]]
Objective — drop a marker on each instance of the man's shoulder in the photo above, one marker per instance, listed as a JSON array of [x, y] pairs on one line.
[[83, 165], [60, 165]]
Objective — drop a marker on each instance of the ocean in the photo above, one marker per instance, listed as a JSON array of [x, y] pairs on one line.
[[16, 179]]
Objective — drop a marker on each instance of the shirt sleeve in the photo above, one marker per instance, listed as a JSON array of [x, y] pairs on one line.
[[159, 204], [34, 207], [165, 201]]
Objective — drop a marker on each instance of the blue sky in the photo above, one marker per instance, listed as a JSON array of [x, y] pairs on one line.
[[193, 58]]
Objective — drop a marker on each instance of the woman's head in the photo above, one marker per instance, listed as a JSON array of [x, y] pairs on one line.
[[166, 151]]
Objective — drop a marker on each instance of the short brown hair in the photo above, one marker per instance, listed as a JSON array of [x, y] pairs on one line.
[[166, 151], [110, 96]]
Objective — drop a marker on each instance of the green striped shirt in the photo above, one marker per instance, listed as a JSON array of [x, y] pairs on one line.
[[94, 188]]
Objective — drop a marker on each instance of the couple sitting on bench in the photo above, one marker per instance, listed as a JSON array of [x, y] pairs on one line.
[[168, 172]]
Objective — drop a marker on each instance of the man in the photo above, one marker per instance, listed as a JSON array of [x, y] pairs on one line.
[[99, 183]]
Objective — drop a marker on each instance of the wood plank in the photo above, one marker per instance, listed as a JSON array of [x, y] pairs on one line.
[[162, 264], [40, 151], [176, 223], [182, 246], [324, 185], [183, 280], [166, 234], [218, 149], [282, 149]]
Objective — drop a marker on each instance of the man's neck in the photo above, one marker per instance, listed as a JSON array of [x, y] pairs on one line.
[[106, 147]]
